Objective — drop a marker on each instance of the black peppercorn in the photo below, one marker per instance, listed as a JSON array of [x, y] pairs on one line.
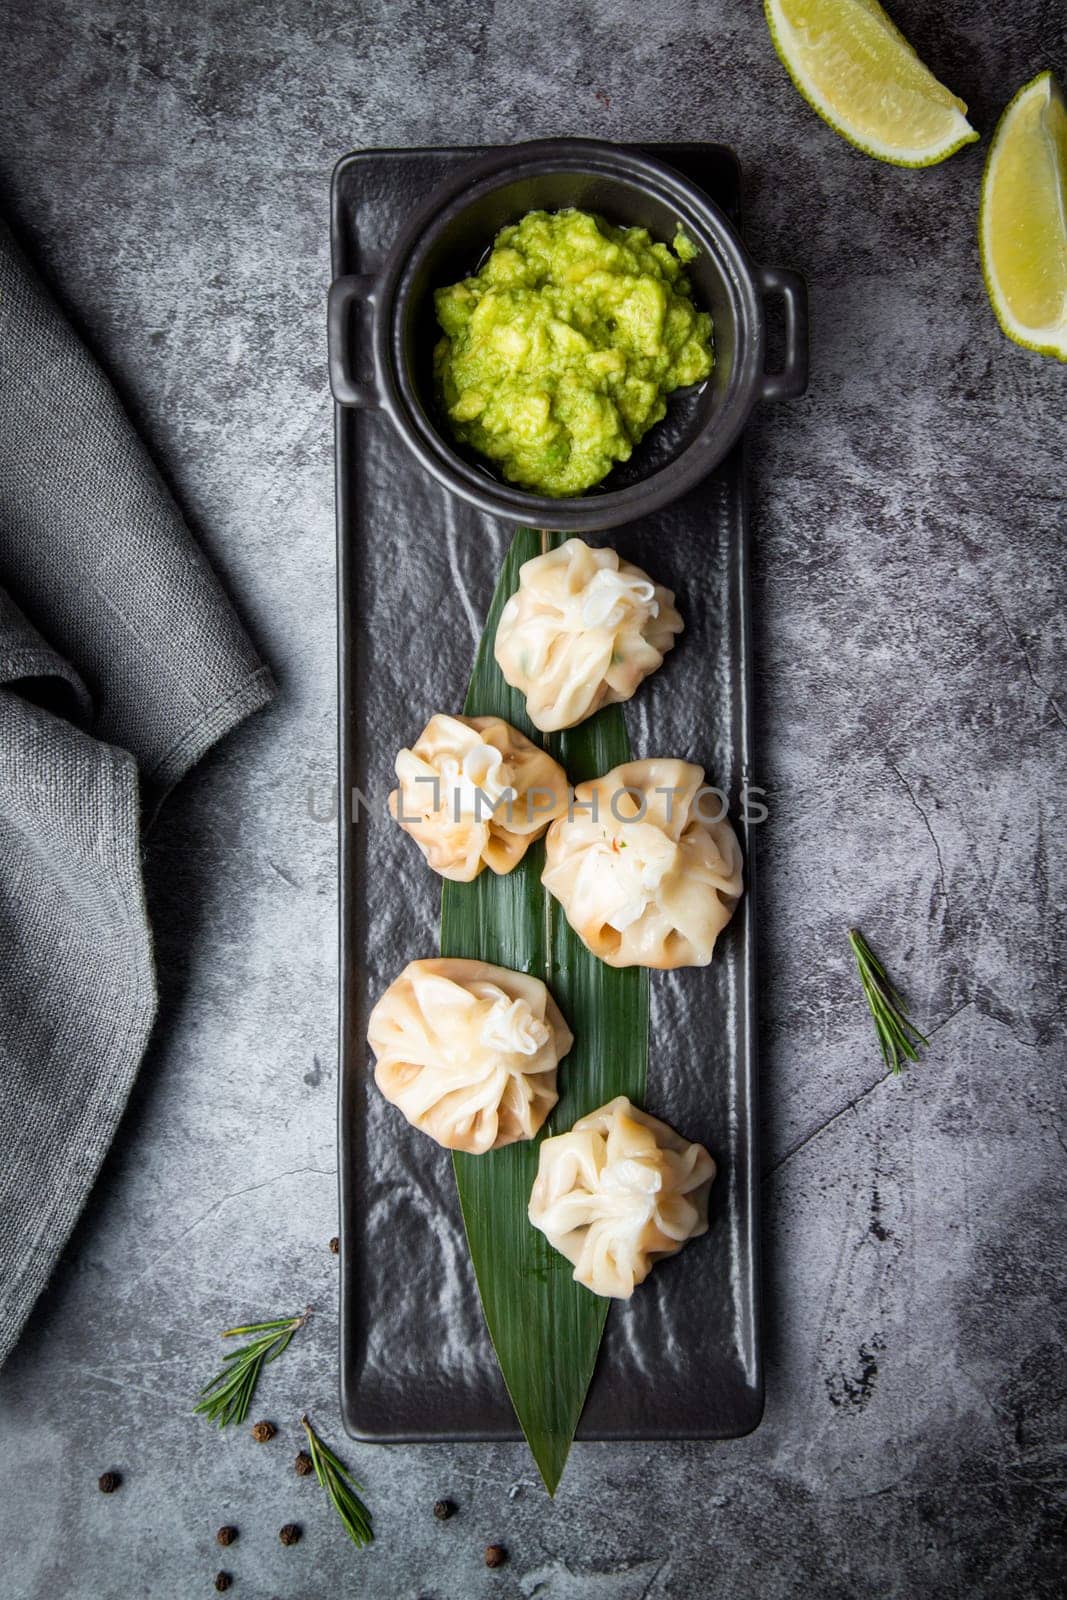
[[262, 1431], [290, 1534], [335, 1245], [108, 1482], [226, 1535], [495, 1555], [303, 1465], [222, 1581], [443, 1509]]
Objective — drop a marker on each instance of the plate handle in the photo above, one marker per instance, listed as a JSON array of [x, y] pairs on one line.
[[791, 289], [346, 297]]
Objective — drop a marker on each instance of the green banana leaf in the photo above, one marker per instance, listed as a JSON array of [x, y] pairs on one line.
[[546, 1329]]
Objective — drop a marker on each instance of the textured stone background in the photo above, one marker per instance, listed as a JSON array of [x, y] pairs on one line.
[[170, 165]]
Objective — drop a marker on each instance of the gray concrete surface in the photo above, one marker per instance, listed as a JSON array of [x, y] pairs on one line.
[[170, 165]]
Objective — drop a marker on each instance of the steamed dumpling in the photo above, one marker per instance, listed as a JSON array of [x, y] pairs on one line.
[[581, 631], [643, 880], [474, 792], [468, 1051], [618, 1193]]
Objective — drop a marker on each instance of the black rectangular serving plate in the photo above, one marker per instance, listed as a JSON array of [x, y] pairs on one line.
[[415, 572]]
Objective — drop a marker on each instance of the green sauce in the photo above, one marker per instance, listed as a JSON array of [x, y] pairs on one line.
[[684, 247], [558, 354]]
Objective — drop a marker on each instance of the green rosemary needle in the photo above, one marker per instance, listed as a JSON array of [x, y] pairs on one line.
[[227, 1397], [897, 1034], [341, 1487]]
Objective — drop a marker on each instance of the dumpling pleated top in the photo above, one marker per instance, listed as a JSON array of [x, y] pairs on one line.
[[583, 630], [468, 1051], [646, 871], [618, 1193], [474, 792]]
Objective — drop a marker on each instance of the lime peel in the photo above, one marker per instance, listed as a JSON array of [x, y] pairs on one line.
[[1022, 219], [856, 69]]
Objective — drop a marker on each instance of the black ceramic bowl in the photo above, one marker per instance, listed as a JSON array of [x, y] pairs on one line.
[[445, 241]]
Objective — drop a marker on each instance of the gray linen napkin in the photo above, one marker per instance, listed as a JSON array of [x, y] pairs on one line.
[[121, 663]]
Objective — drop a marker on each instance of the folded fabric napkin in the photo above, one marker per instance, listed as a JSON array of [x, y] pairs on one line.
[[121, 663]]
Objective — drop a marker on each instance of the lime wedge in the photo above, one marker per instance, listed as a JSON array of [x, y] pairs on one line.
[[1022, 222], [863, 77]]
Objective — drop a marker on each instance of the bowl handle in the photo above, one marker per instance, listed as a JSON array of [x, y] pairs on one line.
[[346, 295], [790, 287]]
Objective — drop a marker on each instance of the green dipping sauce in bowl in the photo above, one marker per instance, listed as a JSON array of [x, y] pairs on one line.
[[559, 353]]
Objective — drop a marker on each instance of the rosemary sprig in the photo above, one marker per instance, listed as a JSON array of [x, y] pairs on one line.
[[897, 1034], [227, 1397], [341, 1487]]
